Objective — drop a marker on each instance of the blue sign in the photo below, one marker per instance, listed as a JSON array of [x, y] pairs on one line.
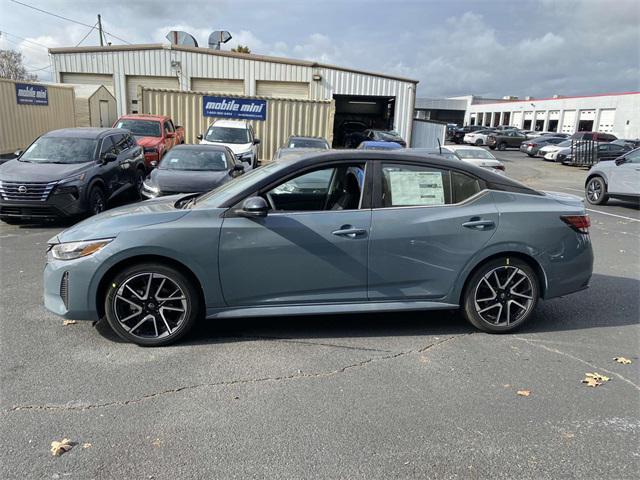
[[232, 107], [28, 94]]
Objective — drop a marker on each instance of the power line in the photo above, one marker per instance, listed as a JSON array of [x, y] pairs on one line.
[[67, 19], [83, 38], [24, 39], [22, 45]]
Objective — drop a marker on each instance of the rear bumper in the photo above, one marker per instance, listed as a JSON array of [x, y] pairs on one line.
[[570, 269]]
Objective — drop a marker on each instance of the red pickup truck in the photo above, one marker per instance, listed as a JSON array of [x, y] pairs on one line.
[[156, 134]]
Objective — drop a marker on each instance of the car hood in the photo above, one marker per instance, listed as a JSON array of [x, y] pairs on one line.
[[236, 148], [110, 223], [483, 162], [187, 181], [148, 141], [17, 171]]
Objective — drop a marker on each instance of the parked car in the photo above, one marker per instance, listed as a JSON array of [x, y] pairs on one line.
[[238, 135], [614, 179], [602, 152], [551, 151], [376, 145], [458, 135], [627, 143], [308, 142], [506, 139], [443, 152], [536, 134], [595, 136], [356, 138], [345, 129], [479, 137], [477, 156], [472, 240], [192, 168], [70, 172], [156, 134], [532, 146]]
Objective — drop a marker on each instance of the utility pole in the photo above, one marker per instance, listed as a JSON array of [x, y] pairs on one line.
[[100, 30]]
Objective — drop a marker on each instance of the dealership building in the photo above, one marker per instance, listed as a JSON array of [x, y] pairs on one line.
[[617, 113], [377, 100]]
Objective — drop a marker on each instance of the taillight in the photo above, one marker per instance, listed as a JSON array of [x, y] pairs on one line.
[[580, 223]]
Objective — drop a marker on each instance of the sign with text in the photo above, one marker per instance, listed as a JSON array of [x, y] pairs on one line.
[[28, 94], [231, 107]]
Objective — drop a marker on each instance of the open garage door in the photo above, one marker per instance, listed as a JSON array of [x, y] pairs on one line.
[[358, 112], [88, 79], [134, 82]]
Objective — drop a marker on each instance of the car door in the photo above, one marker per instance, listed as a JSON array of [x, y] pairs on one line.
[[624, 178], [426, 225], [169, 135], [109, 171], [125, 162], [303, 251]]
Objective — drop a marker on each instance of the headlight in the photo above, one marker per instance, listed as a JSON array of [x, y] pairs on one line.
[[150, 190], [245, 157], [150, 150], [73, 250]]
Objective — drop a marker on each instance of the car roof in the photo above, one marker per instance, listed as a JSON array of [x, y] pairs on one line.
[[230, 123], [453, 148], [306, 137], [385, 145], [201, 146], [143, 116], [84, 132]]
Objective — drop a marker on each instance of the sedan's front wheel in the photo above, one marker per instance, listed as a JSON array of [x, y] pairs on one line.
[[501, 295], [151, 304]]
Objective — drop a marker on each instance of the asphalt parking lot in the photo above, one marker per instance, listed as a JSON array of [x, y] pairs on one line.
[[353, 396]]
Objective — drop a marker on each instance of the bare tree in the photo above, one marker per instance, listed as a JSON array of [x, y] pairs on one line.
[[11, 66], [241, 49]]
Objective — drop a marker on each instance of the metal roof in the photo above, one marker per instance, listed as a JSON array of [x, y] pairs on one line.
[[222, 53]]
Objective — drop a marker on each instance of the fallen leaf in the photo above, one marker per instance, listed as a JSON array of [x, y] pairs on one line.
[[591, 382], [622, 360], [524, 393], [598, 377], [86, 445], [157, 443], [595, 379], [58, 448], [69, 322]]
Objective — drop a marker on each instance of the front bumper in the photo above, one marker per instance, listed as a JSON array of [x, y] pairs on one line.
[[56, 206]]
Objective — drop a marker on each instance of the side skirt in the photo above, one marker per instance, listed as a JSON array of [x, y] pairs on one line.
[[326, 308]]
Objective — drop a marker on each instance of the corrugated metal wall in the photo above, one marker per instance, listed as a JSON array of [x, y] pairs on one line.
[[285, 117], [426, 133], [157, 61], [21, 124]]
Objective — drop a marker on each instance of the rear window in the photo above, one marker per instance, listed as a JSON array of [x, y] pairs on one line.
[[463, 186]]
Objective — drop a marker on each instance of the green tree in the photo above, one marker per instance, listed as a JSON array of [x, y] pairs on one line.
[[11, 66], [241, 49]]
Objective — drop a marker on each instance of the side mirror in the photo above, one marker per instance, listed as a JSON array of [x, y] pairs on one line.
[[254, 207], [256, 141], [199, 137], [153, 163], [17, 153], [109, 157], [621, 160], [171, 134], [238, 167]]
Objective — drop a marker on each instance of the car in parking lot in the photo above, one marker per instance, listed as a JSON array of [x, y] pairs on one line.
[[354, 139], [477, 138], [477, 156], [505, 139], [550, 152], [416, 233], [374, 145], [296, 141], [238, 135], [457, 136], [70, 172], [532, 146], [600, 152], [614, 179], [192, 168]]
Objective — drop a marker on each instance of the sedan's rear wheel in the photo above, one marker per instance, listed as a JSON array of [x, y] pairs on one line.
[[596, 191], [502, 146], [501, 295], [151, 304], [479, 142]]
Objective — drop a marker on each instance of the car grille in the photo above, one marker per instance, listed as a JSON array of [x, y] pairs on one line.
[[64, 289], [27, 211], [29, 191]]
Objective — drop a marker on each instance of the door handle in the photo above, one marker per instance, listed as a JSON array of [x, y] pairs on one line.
[[479, 224], [349, 231]]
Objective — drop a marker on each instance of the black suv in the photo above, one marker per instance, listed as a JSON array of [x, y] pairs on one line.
[[69, 172]]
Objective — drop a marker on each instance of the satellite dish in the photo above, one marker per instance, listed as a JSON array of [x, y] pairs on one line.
[[218, 37], [178, 37]]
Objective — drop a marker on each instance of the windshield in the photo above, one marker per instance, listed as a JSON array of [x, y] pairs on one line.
[[141, 128], [188, 159], [227, 135], [308, 143], [388, 135], [472, 153], [61, 150], [566, 143]]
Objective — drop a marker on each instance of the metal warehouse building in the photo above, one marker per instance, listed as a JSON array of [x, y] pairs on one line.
[[617, 113], [378, 100]]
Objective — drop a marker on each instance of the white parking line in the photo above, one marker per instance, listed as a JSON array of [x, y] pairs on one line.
[[573, 189], [613, 215]]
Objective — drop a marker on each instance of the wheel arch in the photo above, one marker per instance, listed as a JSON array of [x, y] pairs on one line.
[[108, 276], [597, 173], [528, 259]]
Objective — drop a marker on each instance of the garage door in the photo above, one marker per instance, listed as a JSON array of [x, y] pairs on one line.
[[148, 82], [607, 119], [516, 121], [569, 121], [217, 85], [88, 79], [282, 89]]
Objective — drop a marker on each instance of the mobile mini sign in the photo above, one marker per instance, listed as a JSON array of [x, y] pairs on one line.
[[232, 107], [28, 94]]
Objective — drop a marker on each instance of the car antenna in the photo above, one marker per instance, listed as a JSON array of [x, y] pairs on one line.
[[439, 146]]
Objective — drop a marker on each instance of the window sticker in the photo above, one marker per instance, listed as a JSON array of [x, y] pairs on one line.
[[416, 188]]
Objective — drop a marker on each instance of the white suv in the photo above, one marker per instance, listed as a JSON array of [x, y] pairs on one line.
[[238, 135], [619, 178]]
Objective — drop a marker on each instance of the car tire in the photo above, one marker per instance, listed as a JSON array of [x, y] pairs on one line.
[[501, 295], [479, 142], [492, 147], [138, 180], [97, 200], [596, 191], [135, 299], [502, 146]]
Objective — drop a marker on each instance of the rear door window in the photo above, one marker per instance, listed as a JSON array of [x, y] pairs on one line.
[[412, 185]]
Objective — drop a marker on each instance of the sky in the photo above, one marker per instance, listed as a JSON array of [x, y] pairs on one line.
[[490, 48]]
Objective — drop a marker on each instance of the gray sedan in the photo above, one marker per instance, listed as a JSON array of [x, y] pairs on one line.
[[377, 231]]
